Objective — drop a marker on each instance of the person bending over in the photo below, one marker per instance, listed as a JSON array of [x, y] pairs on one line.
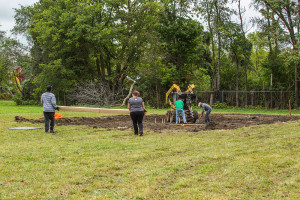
[[207, 108]]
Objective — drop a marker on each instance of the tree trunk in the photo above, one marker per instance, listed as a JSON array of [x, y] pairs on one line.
[[237, 83], [219, 45], [157, 93], [269, 37], [98, 68], [246, 85], [219, 63], [213, 78], [265, 98], [246, 56], [102, 67], [129, 94], [271, 103], [296, 87]]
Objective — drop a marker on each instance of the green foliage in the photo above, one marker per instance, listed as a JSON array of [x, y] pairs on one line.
[[155, 43], [5, 94], [275, 64], [19, 100], [56, 75], [11, 54], [258, 107], [180, 40], [219, 105], [28, 88]]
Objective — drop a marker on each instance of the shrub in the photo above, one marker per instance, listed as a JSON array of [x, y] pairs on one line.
[[219, 105], [18, 98], [258, 107], [5, 96]]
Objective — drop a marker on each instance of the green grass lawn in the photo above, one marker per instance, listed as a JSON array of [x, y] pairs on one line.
[[80, 162]]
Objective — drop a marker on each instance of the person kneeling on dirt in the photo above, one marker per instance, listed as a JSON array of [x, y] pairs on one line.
[[179, 109], [207, 108], [48, 101], [137, 110]]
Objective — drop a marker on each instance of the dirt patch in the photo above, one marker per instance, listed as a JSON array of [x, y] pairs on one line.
[[155, 122]]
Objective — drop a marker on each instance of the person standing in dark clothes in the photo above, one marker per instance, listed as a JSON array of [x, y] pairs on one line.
[[137, 110], [207, 108], [48, 101]]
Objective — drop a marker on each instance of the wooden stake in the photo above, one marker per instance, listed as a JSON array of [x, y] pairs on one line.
[[290, 108], [186, 124]]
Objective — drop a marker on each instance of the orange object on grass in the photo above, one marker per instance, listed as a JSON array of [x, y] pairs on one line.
[[57, 116]]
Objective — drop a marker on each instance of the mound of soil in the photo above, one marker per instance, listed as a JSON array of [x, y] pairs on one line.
[[156, 122]]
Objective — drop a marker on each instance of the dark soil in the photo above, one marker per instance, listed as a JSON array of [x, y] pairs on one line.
[[156, 122]]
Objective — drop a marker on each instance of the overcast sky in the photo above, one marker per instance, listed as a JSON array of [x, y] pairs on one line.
[[7, 12]]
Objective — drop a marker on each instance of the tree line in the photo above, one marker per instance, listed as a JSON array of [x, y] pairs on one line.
[[102, 47]]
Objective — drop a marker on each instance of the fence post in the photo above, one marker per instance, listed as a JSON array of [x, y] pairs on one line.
[[271, 101], [280, 100], [265, 98], [211, 98], [222, 96], [252, 95]]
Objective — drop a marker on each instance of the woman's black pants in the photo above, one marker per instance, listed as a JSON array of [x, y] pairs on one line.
[[137, 120]]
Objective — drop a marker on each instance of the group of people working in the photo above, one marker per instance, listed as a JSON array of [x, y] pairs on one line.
[[136, 107], [179, 109]]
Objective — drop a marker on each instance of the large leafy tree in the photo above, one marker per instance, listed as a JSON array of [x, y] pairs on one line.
[[286, 15], [175, 51], [217, 15], [259, 54], [155, 43], [180, 40], [85, 40], [239, 49]]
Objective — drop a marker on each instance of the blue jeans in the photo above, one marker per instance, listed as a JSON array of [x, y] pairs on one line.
[[207, 116], [182, 114]]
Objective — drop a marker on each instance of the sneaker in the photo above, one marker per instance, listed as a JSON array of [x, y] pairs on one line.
[[53, 132], [141, 133]]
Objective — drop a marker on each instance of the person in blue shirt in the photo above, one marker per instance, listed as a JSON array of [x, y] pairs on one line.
[[207, 108]]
